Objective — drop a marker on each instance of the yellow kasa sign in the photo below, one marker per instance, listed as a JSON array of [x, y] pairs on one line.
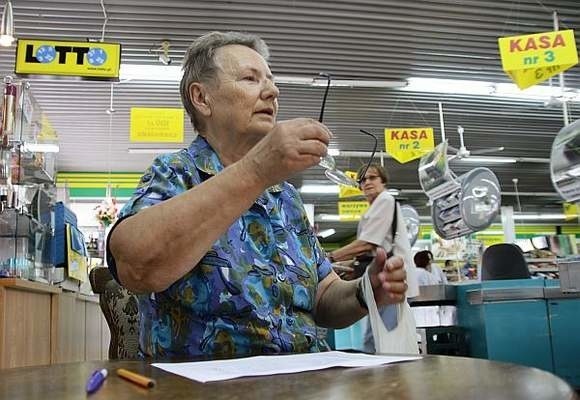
[[406, 144], [531, 59], [157, 125], [95, 60]]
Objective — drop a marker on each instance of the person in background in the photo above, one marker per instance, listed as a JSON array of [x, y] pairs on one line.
[[374, 231], [436, 270], [427, 272], [215, 242]]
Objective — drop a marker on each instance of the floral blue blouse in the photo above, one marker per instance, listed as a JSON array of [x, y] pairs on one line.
[[253, 292]]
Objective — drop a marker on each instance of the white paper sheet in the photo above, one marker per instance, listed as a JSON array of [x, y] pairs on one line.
[[208, 371]]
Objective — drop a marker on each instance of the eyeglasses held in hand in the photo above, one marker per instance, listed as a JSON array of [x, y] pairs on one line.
[[329, 163]]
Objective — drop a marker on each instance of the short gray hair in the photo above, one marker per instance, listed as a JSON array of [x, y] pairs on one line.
[[199, 64]]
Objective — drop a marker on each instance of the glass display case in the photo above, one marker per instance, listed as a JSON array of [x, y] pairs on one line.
[[28, 146]]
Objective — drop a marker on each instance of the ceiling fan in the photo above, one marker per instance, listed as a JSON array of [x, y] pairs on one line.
[[462, 152]]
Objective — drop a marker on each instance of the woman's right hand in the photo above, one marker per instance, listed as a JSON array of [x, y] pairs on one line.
[[291, 147]]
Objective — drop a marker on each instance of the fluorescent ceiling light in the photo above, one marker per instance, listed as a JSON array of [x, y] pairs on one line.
[[336, 218], [151, 150], [449, 86], [173, 73], [327, 218], [319, 189], [326, 233], [333, 189], [482, 88], [486, 159], [41, 147], [539, 217], [167, 73]]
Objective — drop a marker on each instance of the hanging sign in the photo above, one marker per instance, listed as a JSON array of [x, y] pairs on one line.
[[352, 210], [570, 211], [531, 59], [91, 60], [345, 191], [406, 144], [157, 125]]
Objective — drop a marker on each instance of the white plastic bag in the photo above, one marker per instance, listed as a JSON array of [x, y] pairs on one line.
[[400, 340]]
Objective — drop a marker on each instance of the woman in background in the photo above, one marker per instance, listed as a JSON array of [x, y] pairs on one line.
[[427, 272]]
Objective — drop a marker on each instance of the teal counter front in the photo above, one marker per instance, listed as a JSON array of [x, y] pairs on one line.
[[523, 321]]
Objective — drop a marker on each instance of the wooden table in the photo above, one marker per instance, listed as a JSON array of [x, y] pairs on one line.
[[432, 378]]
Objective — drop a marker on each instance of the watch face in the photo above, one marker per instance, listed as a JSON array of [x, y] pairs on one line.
[[480, 198], [411, 217], [565, 162]]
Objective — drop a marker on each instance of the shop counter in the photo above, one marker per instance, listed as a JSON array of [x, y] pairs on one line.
[[432, 308], [524, 321]]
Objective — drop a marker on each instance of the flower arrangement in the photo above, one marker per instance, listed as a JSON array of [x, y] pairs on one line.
[[106, 212]]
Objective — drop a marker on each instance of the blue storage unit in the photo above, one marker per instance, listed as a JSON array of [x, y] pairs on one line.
[[564, 316], [525, 321], [565, 328], [507, 320]]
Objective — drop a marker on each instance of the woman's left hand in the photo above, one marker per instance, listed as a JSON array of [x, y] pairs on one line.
[[387, 277]]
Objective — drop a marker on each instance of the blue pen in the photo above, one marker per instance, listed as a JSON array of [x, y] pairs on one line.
[[96, 380]]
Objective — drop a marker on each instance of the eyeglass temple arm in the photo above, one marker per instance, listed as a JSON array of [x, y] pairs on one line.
[[363, 173], [328, 79]]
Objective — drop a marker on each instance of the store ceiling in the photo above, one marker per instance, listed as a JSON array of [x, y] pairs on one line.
[[362, 40]]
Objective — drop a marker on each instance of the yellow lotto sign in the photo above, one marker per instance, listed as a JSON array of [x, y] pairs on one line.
[[352, 210], [406, 144], [345, 191], [91, 60], [156, 125], [531, 59]]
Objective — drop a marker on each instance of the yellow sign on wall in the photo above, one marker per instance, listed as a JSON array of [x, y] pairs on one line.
[[531, 59], [157, 125], [76, 254], [352, 210], [95, 60], [345, 191], [406, 144]]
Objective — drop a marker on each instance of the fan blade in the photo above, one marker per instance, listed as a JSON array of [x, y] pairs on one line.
[[487, 151], [453, 149]]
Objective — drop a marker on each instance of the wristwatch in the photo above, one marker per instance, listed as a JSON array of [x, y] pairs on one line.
[[359, 295]]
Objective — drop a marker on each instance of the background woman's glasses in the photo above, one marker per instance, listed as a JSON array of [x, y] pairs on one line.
[[329, 163]]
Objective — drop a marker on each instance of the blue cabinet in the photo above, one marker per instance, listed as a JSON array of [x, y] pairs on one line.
[[565, 327]]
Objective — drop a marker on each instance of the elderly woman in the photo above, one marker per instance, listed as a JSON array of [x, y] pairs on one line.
[[376, 230], [217, 245]]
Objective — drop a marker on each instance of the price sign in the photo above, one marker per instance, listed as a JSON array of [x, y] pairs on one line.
[[157, 125], [352, 210]]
